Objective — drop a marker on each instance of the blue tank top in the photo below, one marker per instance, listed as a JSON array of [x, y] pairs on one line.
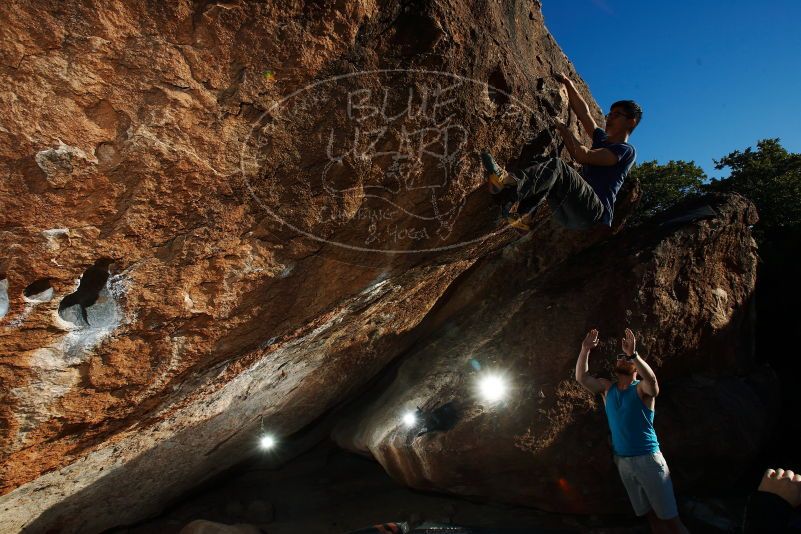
[[631, 422]]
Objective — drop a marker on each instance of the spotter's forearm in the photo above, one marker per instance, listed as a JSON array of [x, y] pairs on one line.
[[582, 364], [644, 370]]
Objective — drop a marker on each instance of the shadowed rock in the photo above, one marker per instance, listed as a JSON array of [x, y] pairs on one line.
[[684, 287], [75, 307]]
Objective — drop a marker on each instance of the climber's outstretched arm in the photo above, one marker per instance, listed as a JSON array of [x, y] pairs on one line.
[[577, 104]]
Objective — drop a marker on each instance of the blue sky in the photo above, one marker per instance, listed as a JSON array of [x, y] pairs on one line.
[[712, 76]]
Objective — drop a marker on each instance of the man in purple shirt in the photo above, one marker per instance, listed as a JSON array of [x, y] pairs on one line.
[[577, 200]]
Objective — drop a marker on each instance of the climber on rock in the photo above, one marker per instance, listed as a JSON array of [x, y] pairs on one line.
[[629, 405], [578, 200]]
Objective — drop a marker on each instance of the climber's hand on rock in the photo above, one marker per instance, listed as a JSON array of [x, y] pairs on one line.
[[561, 126], [561, 78], [590, 340], [785, 484]]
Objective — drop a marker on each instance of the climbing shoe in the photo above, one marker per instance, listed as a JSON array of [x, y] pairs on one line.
[[516, 221], [495, 174], [522, 224]]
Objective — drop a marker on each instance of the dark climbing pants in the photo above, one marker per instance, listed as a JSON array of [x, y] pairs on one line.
[[573, 201]]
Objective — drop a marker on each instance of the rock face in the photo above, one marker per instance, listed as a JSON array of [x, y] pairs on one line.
[[222, 217], [684, 288]]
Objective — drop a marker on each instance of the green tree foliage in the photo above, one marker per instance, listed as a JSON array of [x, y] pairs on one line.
[[665, 185], [770, 177]]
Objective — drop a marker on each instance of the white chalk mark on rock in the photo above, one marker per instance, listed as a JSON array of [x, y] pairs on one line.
[[3, 297]]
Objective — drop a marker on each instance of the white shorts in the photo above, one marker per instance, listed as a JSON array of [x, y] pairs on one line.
[[647, 481]]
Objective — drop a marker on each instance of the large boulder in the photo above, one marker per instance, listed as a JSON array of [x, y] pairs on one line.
[[684, 284], [222, 217]]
